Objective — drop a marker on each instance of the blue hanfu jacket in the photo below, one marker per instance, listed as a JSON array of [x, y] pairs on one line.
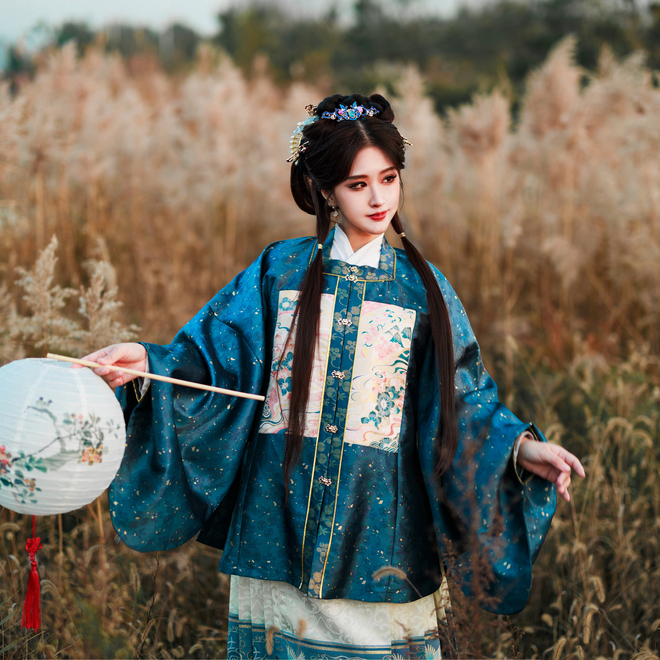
[[363, 495]]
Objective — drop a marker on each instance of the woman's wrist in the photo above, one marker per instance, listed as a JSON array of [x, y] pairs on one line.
[[520, 441]]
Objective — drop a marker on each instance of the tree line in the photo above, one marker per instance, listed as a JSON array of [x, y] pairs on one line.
[[474, 50]]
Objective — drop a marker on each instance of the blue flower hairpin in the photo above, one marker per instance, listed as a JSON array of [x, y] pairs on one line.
[[345, 113]]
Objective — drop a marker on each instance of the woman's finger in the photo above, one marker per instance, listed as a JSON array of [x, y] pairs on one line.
[[112, 354], [558, 463], [544, 454], [562, 487], [563, 480], [569, 459], [117, 378], [558, 457], [126, 355], [574, 462], [93, 357]]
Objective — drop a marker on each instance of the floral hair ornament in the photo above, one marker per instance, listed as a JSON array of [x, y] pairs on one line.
[[297, 145], [353, 112]]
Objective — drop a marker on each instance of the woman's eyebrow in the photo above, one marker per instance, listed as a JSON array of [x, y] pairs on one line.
[[364, 176]]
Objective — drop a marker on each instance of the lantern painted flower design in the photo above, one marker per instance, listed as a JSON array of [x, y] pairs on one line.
[[62, 436]]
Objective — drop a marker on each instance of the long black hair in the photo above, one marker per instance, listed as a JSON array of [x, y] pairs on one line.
[[329, 149]]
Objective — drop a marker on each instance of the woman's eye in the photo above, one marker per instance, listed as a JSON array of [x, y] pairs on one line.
[[389, 178], [357, 186]]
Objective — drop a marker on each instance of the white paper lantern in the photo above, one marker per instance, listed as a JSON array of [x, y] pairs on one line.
[[62, 436]]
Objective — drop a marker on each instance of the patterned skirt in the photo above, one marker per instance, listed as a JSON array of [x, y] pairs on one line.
[[275, 620]]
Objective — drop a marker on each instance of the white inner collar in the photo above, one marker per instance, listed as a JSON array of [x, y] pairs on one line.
[[367, 255]]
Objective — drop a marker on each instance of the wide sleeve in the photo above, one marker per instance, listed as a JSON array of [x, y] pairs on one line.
[[489, 525], [184, 446]]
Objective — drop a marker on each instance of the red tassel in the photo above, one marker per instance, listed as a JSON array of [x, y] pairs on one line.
[[32, 607]]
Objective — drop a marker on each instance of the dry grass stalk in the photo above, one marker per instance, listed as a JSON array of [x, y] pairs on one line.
[[559, 648], [45, 327], [270, 638]]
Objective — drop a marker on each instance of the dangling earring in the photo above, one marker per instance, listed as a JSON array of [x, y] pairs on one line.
[[334, 214]]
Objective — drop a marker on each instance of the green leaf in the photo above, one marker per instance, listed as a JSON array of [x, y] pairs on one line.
[[10, 646], [9, 616]]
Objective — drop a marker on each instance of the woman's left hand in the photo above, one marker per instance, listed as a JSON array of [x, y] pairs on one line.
[[551, 462]]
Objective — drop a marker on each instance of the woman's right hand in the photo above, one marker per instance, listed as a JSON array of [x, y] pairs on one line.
[[129, 355]]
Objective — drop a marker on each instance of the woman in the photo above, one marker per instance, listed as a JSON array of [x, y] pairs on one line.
[[381, 449]]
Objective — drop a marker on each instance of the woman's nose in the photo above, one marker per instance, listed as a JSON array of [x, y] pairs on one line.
[[376, 197]]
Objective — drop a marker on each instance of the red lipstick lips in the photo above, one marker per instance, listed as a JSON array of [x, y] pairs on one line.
[[378, 216]]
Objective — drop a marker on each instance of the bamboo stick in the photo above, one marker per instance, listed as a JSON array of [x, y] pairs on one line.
[[165, 379]]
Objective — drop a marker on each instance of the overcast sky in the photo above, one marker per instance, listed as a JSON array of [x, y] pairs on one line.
[[18, 17]]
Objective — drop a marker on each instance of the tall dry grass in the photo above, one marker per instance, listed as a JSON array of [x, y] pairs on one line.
[[160, 190]]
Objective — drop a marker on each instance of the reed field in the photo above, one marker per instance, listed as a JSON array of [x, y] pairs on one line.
[[129, 197]]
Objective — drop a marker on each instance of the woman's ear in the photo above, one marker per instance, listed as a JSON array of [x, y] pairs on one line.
[[329, 197]]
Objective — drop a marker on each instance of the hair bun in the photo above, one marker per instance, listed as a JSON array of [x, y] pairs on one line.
[[383, 106]]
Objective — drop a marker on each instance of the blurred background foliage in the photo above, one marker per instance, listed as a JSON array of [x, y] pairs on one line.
[[157, 160], [473, 50]]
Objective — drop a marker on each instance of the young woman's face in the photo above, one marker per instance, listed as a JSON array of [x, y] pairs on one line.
[[369, 198]]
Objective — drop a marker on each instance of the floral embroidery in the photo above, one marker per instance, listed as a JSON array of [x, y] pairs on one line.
[[275, 412], [315, 582], [288, 304], [387, 404], [379, 376]]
